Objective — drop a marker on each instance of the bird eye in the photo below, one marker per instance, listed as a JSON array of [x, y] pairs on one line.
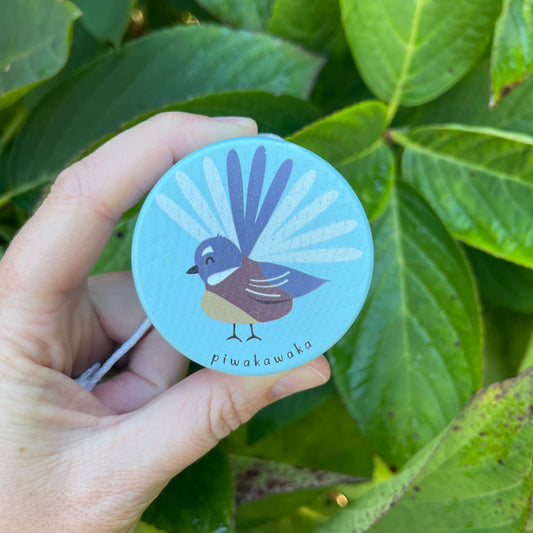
[[209, 259]]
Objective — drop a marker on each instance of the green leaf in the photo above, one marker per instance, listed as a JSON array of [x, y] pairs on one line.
[[34, 43], [467, 103], [480, 183], [106, 21], [413, 357], [527, 362], [507, 334], [476, 476], [249, 15], [339, 85], [11, 119], [199, 499], [143, 527], [149, 73], [267, 490], [502, 283], [315, 24], [281, 413], [281, 114], [512, 48], [275, 513], [351, 140], [256, 478], [410, 52], [84, 49], [324, 438]]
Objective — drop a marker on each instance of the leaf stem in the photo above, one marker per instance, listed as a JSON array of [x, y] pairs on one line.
[[409, 53]]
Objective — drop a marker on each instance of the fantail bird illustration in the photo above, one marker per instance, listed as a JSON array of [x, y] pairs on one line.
[[243, 247]]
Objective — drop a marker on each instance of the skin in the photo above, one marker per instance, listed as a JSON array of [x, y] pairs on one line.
[[73, 460]]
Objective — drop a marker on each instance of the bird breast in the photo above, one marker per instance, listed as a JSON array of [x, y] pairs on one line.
[[234, 300]]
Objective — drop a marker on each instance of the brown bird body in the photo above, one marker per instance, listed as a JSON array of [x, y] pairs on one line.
[[246, 297]]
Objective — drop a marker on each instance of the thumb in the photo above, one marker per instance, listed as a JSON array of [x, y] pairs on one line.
[[189, 419]]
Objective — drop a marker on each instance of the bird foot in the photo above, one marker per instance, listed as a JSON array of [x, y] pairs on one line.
[[234, 337], [253, 337]]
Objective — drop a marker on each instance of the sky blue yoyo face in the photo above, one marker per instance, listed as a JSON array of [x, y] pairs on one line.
[[252, 256]]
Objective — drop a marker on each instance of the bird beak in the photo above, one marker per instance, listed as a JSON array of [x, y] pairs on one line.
[[193, 270]]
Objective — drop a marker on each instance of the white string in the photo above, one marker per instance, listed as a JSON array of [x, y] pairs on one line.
[[95, 373]]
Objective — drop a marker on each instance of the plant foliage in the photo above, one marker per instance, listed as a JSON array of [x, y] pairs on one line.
[[426, 108]]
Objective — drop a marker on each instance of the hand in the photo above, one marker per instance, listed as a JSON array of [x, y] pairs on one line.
[[73, 460]]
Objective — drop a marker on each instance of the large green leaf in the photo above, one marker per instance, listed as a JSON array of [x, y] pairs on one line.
[[280, 115], [106, 21], [479, 181], [468, 103], [34, 43], [250, 15], [409, 52], [199, 499], [315, 24], [502, 283], [413, 357], [351, 140], [149, 73], [475, 477], [324, 438], [512, 47], [84, 48]]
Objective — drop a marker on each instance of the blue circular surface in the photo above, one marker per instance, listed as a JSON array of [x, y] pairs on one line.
[[252, 256]]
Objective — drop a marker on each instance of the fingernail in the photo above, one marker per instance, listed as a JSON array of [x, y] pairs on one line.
[[297, 380], [244, 122]]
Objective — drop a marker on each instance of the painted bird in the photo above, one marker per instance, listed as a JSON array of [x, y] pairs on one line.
[[240, 257]]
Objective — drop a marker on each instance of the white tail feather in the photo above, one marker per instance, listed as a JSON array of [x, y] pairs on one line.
[[198, 203], [287, 206], [183, 219], [307, 214], [218, 194]]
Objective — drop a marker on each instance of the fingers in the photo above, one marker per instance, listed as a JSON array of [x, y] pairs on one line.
[[153, 364], [153, 367], [186, 421], [55, 250]]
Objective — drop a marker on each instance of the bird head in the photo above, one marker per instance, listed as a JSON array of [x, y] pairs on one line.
[[215, 259]]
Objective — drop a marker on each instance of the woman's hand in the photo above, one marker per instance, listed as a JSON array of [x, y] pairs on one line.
[[72, 460]]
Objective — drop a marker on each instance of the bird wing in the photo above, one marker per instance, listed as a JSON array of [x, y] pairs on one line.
[[266, 293], [282, 278]]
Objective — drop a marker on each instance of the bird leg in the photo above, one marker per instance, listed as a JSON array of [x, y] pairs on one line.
[[253, 335], [234, 336]]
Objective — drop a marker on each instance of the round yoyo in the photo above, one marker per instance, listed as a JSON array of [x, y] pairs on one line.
[[252, 256]]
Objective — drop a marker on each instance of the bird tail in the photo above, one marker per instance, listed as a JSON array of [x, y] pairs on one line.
[[251, 220]]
